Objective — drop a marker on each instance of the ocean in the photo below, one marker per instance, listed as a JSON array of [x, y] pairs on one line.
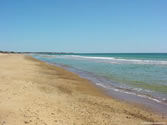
[[142, 75]]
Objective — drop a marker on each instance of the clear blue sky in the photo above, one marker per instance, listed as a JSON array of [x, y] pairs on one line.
[[83, 25]]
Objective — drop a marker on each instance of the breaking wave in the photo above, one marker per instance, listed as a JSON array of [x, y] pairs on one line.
[[114, 60]]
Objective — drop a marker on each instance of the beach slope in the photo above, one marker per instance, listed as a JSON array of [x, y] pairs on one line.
[[35, 93]]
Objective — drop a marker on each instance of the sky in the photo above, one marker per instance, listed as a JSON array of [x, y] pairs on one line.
[[83, 26]]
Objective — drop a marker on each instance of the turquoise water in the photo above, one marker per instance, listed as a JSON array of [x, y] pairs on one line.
[[144, 74]]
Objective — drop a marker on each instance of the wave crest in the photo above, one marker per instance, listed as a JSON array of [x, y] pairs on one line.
[[115, 60]]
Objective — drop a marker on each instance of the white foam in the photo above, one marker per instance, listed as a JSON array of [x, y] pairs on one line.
[[115, 60], [139, 95], [101, 85], [131, 93]]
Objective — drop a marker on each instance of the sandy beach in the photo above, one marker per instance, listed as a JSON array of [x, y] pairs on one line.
[[36, 93]]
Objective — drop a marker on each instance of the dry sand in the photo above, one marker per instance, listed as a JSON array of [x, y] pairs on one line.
[[36, 93]]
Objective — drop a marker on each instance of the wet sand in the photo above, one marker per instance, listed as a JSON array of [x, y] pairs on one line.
[[35, 93]]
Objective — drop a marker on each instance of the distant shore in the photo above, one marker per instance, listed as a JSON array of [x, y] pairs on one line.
[[13, 52], [33, 92]]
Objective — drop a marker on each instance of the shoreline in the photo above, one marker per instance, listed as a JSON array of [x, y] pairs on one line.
[[36, 92], [148, 103]]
